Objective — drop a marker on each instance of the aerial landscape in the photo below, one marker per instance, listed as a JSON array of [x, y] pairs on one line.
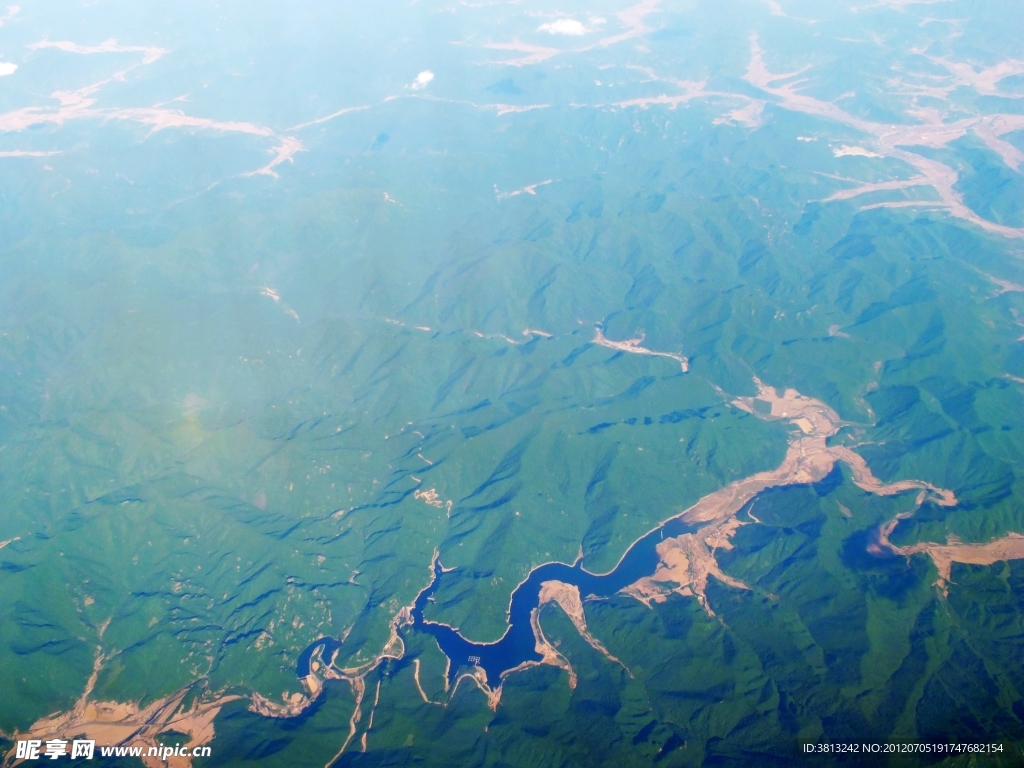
[[512, 383]]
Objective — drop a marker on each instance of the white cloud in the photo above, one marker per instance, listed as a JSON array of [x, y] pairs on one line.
[[6, 68], [563, 27], [422, 79], [29, 153]]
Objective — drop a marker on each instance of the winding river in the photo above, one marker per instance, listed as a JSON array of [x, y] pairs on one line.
[[676, 556], [517, 645]]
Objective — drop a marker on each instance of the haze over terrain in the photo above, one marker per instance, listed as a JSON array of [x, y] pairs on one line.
[[511, 383]]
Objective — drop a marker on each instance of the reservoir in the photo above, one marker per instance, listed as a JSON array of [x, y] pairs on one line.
[[517, 644]]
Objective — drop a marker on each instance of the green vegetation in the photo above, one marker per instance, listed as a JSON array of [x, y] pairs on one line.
[[239, 413]]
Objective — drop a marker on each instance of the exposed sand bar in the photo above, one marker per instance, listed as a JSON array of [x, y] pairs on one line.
[[567, 597], [688, 560], [112, 723], [359, 689], [80, 104], [808, 459], [633, 347], [1009, 547], [889, 139]]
